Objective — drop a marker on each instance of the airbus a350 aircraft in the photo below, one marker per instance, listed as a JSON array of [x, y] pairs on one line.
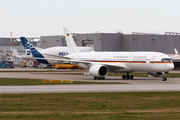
[[100, 63], [32, 52]]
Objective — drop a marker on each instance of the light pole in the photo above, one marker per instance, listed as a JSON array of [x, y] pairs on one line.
[[11, 45]]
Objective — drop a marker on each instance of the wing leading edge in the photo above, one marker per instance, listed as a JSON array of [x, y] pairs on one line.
[[88, 63]]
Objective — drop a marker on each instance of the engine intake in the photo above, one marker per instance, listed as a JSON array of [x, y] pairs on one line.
[[98, 70]]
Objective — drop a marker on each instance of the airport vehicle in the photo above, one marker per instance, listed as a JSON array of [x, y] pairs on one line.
[[24, 63], [66, 66], [47, 66], [100, 63]]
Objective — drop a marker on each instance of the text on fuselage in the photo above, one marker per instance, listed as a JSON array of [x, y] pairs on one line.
[[63, 53]]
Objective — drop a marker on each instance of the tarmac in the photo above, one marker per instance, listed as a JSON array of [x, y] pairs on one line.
[[138, 84]]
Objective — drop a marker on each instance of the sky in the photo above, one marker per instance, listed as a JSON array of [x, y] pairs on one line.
[[35, 18]]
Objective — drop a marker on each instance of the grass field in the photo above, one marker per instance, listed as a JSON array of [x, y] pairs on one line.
[[21, 81], [91, 106]]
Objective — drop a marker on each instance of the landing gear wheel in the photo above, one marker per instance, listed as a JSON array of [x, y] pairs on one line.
[[98, 78], [123, 76], [127, 76], [132, 77], [164, 79]]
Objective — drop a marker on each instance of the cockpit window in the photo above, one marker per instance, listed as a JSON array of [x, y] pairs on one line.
[[166, 60]]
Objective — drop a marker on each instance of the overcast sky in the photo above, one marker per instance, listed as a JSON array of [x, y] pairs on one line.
[[35, 18]]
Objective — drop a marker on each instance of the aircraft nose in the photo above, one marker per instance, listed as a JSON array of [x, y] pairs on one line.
[[170, 67]]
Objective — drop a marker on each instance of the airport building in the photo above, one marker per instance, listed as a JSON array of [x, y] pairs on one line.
[[103, 42]]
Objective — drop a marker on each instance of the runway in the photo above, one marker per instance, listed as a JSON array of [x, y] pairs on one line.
[[87, 88], [139, 84]]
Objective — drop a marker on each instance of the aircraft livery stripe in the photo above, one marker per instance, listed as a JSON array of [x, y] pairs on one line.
[[131, 62]]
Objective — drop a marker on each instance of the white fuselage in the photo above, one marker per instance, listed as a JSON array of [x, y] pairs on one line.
[[55, 53], [133, 61]]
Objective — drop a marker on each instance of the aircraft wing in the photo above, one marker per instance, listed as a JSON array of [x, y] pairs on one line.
[[65, 57], [115, 66], [88, 63]]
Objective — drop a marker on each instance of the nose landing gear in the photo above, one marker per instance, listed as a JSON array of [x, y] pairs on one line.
[[164, 78]]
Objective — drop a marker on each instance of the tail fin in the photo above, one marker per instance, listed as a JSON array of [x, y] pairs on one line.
[[15, 53], [28, 46], [72, 48], [26, 43], [32, 51], [27, 54]]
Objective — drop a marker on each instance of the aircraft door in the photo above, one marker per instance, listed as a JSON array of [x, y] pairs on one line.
[[153, 59]]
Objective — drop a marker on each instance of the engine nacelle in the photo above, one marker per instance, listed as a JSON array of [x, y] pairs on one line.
[[98, 70], [156, 74]]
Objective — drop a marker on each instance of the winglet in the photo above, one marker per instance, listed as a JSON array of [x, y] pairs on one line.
[[176, 53], [72, 48]]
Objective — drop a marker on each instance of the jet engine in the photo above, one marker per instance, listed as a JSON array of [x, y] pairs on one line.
[[156, 74], [98, 70]]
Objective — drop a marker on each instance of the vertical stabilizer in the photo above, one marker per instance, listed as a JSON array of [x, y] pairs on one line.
[[72, 48], [15, 53], [26, 43], [32, 51]]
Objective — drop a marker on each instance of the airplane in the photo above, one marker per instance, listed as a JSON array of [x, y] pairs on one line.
[[100, 63], [31, 52]]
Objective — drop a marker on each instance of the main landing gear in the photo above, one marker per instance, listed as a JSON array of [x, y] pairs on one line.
[[127, 76], [98, 78]]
